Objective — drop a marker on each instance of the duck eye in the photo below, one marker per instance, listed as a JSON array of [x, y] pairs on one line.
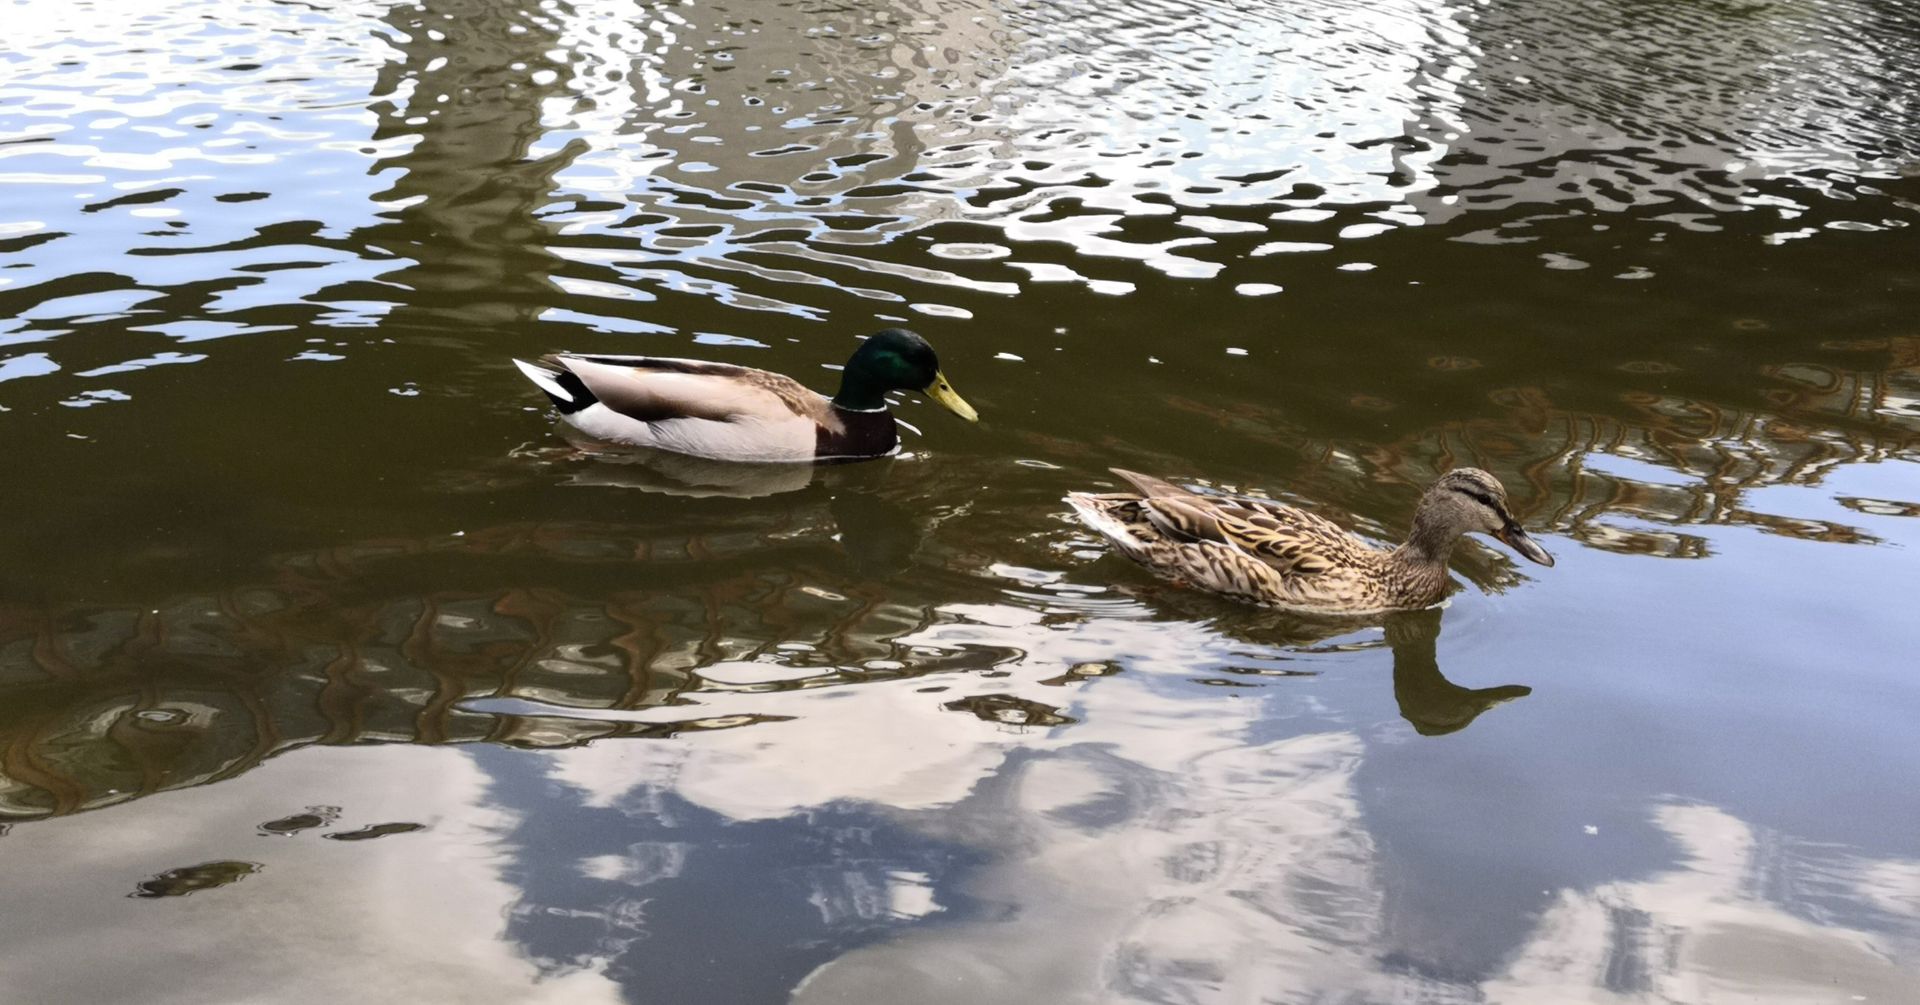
[[1482, 498]]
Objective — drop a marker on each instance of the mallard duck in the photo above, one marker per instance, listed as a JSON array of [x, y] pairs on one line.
[[1273, 554], [737, 413]]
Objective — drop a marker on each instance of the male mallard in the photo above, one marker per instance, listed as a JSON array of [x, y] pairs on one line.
[[738, 413], [1273, 554]]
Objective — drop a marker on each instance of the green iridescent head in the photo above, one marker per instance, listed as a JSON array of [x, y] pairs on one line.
[[896, 359]]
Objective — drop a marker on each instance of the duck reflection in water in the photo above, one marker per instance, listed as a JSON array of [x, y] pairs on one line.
[[593, 463], [1428, 700], [878, 532], [1434, 705]]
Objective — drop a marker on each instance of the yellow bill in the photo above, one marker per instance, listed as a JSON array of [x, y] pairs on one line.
[[943, 392]]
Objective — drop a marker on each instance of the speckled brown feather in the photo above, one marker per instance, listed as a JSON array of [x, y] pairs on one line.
[[1259, 550]]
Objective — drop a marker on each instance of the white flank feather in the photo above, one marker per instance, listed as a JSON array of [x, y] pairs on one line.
[[1096, 519], [742, 440]]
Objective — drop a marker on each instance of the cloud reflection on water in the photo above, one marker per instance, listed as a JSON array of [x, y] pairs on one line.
[[924, 730], [408, 917]]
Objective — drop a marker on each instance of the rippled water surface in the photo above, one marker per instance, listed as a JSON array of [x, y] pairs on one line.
[[328, 668]]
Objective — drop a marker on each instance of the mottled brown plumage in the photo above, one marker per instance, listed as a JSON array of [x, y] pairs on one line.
[[1281, 556]]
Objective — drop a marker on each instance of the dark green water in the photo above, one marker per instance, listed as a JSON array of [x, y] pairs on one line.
[[328, 669]]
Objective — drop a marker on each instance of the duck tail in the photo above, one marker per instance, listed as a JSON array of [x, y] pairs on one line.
[[1096, 511], [567, 392], [1149, 486]]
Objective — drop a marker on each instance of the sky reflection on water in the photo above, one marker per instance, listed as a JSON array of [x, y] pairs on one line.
[[317, 640]]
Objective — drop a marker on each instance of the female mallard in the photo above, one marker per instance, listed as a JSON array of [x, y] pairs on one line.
[[737, 413], [1273, 554]]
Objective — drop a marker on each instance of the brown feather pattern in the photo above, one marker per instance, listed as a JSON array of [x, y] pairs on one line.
[[1283, 556]]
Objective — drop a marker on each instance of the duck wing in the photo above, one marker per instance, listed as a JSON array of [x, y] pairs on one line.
[[1293, 541], [657, 388], [1313, 530]]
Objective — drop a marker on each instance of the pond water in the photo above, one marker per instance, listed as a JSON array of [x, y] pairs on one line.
[[329, 668]]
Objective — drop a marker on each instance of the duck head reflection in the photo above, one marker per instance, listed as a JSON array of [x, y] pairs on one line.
[[1429, 701]]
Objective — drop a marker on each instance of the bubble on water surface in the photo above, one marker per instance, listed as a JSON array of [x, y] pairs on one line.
[[969, 251]]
